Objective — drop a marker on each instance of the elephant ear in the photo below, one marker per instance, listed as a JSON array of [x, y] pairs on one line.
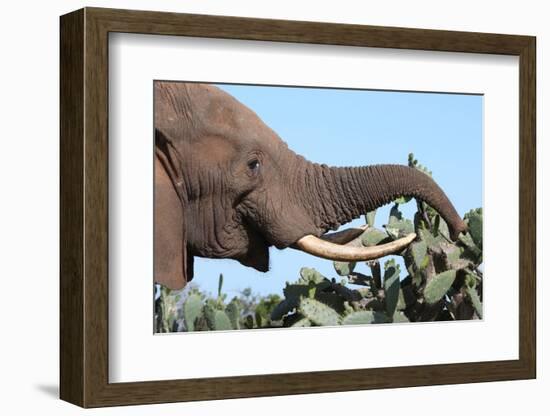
[[172, 264]]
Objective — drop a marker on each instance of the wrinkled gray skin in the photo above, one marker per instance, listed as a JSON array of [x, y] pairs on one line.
[[226, 186]]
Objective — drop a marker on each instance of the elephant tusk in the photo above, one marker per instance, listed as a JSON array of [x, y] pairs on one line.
[[345, 236], [330, 251]]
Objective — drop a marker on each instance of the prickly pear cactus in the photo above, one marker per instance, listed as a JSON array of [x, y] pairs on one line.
[[192, 308], [221, 321], [167, 310], [438, 286], [318, 313], [234, 314]]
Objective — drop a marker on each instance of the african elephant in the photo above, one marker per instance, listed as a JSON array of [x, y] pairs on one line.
[[226, 186]]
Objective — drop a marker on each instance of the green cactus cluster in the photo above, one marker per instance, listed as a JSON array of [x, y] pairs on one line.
[[441, 281], [191, 310], [315, 300]]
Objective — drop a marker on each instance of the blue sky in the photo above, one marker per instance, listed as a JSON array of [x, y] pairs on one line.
[[353, 128]]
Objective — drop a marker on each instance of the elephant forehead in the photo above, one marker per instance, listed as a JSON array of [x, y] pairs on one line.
[[214, 148], [211, 119], [225, 115]]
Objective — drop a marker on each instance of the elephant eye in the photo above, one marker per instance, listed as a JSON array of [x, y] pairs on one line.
[[254, 165]]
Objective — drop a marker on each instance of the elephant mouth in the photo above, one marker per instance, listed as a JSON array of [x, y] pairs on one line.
[[346, 246], [257, 252]]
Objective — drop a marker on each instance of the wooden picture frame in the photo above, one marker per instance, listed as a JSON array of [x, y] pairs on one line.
[[84, 207]]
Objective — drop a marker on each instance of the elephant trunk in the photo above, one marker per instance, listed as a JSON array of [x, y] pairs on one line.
[[347, 193]]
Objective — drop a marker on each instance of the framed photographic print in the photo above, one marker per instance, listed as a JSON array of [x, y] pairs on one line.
[[256, 207]]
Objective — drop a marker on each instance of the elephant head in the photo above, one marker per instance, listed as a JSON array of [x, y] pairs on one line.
[[226, 186]]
